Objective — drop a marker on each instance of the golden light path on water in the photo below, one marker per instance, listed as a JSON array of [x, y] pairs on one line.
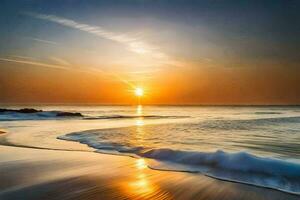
[[141, 184]]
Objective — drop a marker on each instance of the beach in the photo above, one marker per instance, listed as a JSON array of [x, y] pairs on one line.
[[28, 173], [108, 152]]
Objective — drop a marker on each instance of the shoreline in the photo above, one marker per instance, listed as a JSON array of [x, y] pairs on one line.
[[4, 142], [37, 173]]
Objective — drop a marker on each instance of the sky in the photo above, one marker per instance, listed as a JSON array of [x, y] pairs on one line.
[[209, 52]]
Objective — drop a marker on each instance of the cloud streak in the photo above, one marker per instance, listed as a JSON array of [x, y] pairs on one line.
[[62, 67], [135, 45], [27, 62], [43, 41], [60, 61]]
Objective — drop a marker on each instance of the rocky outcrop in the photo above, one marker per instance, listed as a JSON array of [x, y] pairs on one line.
[[23, 110], [68, 114]]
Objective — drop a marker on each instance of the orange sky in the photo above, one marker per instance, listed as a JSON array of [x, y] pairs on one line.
[[181, 86], [180, 52]]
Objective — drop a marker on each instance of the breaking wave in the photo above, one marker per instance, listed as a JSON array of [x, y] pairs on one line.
[[33, 114], [239, 167]]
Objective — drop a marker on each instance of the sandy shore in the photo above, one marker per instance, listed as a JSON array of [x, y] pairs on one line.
[[50, 174]]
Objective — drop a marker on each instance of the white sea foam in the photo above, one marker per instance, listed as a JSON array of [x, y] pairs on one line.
[[238, 167]]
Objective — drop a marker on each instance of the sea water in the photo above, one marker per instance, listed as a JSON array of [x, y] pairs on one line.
[[258, 145]]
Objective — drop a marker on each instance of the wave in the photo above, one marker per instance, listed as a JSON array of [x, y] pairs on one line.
[[133, 117], [288, 119], [33, 114], [240, 167], [268, 113], [247, 124]]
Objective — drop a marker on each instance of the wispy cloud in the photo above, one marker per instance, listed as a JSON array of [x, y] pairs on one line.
[[43, 41], [64, 67], [23, 57], [34, 63], [144, 72], [60, 61], [134, 44]]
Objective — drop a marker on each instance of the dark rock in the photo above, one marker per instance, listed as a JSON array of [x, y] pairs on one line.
[[23, 110], [4, 110], [29, 110], [68, 114]]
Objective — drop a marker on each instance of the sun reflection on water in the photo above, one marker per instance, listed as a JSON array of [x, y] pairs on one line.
[[140, 183], [139, 110], [139, 122], [141, 164]]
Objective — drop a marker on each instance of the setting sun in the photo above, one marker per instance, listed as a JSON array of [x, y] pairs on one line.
[[139, 92]]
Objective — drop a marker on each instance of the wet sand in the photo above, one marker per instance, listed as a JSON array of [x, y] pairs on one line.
[[51, 174]]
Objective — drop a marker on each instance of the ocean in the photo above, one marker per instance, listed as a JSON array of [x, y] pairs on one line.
[[256, 145]]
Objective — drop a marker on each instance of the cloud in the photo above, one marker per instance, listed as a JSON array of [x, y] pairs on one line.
[[23, 57], [43, 41], [60, 61], [93, 71], [28, 62], [134, 44], [144, 72]]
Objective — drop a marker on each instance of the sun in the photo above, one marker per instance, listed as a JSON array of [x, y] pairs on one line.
[[139, 92]]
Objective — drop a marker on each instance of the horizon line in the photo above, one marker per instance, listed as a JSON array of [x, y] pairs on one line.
[[128, 104]]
